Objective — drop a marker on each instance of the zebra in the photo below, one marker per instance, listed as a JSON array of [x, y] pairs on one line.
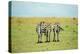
[[45, 28], [56, 30]]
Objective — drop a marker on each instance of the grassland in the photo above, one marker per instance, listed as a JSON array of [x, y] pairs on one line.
[[24, 36]]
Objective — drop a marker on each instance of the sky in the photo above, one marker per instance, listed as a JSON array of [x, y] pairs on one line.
[[24, 9]]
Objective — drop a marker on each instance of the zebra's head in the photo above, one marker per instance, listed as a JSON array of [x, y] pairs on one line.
[[43, 24]]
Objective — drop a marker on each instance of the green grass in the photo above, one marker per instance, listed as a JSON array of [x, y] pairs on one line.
[[24, 36]]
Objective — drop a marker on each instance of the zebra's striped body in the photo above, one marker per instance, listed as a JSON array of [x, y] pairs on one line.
[[43, 28], [46, 28], [56, 31]]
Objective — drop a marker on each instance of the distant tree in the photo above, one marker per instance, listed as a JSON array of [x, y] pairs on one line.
[[74, 18]]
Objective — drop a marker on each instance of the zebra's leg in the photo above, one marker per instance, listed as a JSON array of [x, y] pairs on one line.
[[38, 38], [47, 37], [41, 38], [54, 37], [57, 36]]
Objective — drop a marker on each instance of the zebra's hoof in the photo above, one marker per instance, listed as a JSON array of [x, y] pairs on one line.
[[57, 40], [54, 40], [47, 41], [39, 42]]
